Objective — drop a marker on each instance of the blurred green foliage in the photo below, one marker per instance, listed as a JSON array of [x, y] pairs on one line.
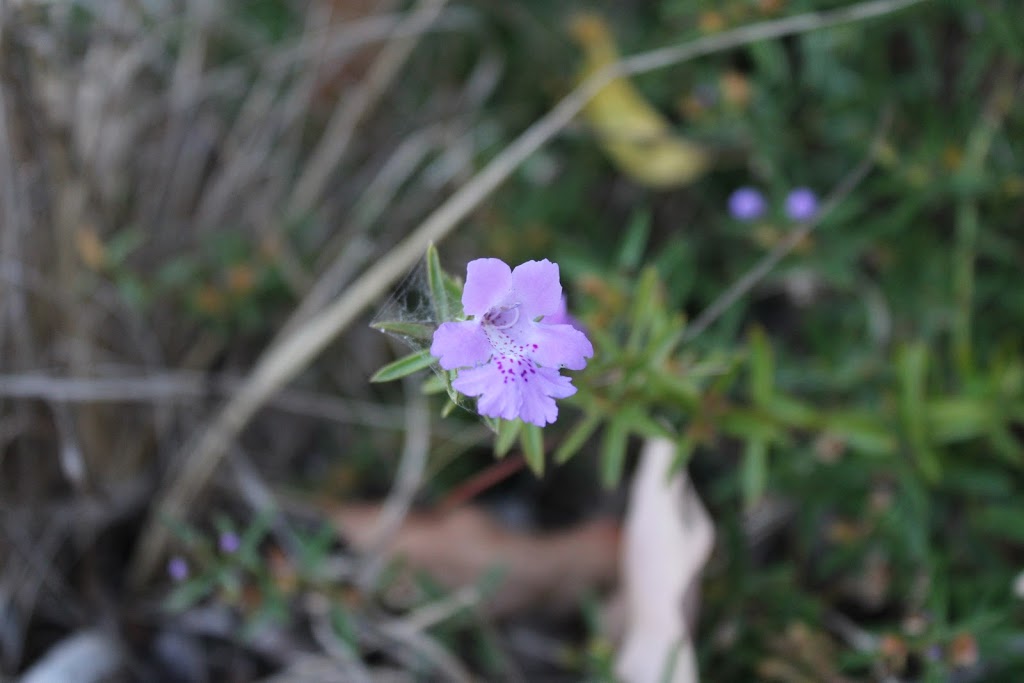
[[875, 379], [873, 382]]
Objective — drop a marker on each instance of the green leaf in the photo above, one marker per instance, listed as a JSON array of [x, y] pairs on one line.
[[508, 430], [436, 279], [435, 384], [404, 366], [791, 412], [421, 331], [754, 472], [865, 432], [635, 240], [958, 418], [189, 593], [646, 304], [1002, 520], [1006, 444], [912, 368], [578, 436], [613, 452], [751, 424], [684, 451], [531, 438], [681, 391], [641, 423], [453, 288], [762, 368], [448, 408], [665, 341]]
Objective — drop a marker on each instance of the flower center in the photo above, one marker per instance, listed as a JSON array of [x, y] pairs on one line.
[[502, 318], [511, 356]]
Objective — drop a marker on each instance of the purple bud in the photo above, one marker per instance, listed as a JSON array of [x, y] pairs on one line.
[[229, 542], [934, 652], [746, 204], [801, 204], [177, 569]]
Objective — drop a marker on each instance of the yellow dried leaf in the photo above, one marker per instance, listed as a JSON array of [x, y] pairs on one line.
[[636, 137]]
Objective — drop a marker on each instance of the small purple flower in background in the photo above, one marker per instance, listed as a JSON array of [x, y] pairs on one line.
[[177, 569], [746, 204], [507, 355], [801, 204], [229, 542]]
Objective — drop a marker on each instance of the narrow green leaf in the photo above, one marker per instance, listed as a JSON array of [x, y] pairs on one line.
[[792, 412], [865, 432], [436, 280], [531, 437], [635, 240], [762, 368], [1001, 520], [492, 422], [639, 422], [684, 451], [912, 367], [751, 424], [646, 305], [664, 341], [190, 593], [1006, 444], [435, 384], [453, 288], [421, 331], [958, 418], [508, 430], [448, 408], [404, 366], [577, 436], [754, 472], [679, 390], [613, 452]]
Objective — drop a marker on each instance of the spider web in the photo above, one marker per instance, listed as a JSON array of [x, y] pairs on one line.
[[410, 303], [410, 316]]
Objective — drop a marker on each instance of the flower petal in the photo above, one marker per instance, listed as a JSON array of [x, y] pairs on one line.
[[539, 394], [487, 285], [563, 317], [554, 346], [498, 397], [536, 288], [460, 345]]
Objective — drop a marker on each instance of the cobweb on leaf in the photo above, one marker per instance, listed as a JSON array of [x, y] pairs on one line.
[[409, 313], [415, 310]]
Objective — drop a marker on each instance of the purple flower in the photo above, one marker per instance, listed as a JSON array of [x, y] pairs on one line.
[[801, 204], [746, 204], [177, 569], [562, 317], [229, 542], [506, 355]]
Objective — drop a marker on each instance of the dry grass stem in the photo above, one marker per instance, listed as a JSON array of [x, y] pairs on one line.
[[407, 482], [352, 109]]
